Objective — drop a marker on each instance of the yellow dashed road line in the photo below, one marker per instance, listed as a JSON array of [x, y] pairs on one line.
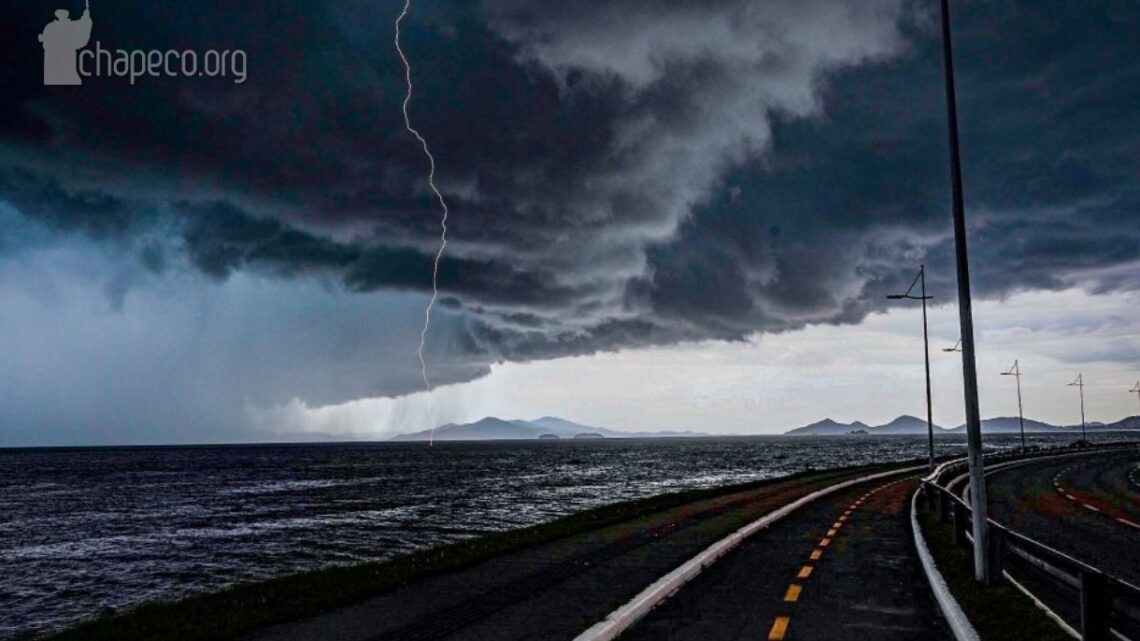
[[780, 626], [793, 593], [779, 629]]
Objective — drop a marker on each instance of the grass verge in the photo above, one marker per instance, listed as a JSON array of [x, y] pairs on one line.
[[998, 613], [248, 607]]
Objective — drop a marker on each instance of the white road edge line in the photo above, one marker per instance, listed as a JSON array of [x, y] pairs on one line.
[[1128, 523], [959, 624], [625, 616]]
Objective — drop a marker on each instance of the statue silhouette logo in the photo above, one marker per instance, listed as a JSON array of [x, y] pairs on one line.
[[61, 39]]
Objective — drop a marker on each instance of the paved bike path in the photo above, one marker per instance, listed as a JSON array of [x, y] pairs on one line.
[[843, 567]]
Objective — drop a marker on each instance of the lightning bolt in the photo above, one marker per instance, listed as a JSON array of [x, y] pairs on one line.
[[442, 222]]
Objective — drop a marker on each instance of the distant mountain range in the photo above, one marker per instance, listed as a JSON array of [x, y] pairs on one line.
[[913, 425], [550, 427], [547, 427]]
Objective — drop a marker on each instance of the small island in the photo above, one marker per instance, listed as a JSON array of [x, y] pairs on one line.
[[548, 436], [588, 435]]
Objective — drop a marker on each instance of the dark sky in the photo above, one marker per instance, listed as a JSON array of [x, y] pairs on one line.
[[620, 174]]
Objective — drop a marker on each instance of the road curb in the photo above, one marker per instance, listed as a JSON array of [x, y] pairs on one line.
[[959, 624], [622, 618]]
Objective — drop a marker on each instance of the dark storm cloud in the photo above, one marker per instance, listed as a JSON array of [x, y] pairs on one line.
[[220, 239], [620, 174], [90, 211], [840, 209]]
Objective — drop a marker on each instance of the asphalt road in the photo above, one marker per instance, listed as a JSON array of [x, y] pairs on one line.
[[840, 568], [1087, 507], [557, 590]]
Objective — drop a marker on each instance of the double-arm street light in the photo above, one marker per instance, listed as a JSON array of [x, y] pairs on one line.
[[920, 279], [1080, 385], [1015, 372]]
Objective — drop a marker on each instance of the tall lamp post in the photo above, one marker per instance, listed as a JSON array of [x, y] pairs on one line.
[[1136, 390], [920, 279], [1015, 372], [1080, 385], [965, 316]]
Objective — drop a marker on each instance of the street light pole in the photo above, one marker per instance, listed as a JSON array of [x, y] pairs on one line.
[[965, 317], [1136, 390], [1015, 372], [921, 278], [1080, 385], [926, 360]]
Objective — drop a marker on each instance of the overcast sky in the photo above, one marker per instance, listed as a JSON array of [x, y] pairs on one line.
[[663, 215]]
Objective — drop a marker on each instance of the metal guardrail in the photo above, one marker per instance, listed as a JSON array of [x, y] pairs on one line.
[[1104, 607]]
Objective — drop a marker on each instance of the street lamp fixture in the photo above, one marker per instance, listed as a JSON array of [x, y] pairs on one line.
[[1080, 385], [1015, 372], [920, 280], [957, 347]]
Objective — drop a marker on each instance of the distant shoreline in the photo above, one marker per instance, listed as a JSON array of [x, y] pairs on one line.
[[414, 443]]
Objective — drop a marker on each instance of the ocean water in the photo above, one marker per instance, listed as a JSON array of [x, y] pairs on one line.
[[90, 531]]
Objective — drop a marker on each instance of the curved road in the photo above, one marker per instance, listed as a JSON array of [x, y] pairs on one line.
[[1086, 506], [843, 567]]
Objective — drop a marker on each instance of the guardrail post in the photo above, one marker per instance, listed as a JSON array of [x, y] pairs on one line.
[[997, 555], [960, 524], [944, 507], [1095, 604]]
